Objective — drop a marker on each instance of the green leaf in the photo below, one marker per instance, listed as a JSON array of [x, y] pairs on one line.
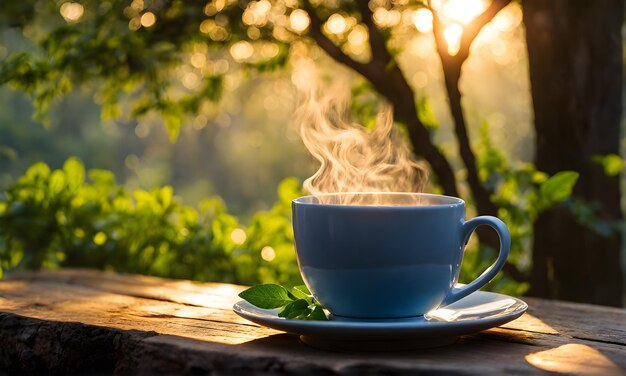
[[173, 122], [266, 296], [38, 170], [57, 182], [558, 187], [538, 177], [102, 177], [302, 292], [292, 296], [426, 113], [295, 309], [317, 313], [613, 164], [74, 172]]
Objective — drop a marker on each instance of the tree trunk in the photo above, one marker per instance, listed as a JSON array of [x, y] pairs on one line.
[[575, 58]]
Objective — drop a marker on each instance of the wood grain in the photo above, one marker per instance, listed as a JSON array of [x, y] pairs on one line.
[[71, 321]]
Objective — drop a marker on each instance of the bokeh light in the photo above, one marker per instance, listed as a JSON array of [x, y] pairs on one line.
[[190, 80], [358, 36], [100, 238], [198, 60], [386, 18], [238, 236], [453, 34], [241, 50], [299, 20], [148, 19], [268, 253], [256, 13], [423, 20], [71, 12], [336, 24]]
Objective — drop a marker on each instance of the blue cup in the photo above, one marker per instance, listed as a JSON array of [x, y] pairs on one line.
[[390, 256]]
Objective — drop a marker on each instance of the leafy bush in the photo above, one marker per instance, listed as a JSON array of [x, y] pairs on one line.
[[60, 218], [521, 192]]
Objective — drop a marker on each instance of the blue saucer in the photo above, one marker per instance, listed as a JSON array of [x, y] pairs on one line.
[[478, 311]]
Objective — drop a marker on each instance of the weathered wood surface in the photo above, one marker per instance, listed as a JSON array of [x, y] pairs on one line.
[[84, 321]]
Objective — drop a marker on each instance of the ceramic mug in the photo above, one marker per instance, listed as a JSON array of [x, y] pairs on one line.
[[398, 259]]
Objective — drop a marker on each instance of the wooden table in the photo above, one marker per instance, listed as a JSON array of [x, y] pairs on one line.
[[84, 321]]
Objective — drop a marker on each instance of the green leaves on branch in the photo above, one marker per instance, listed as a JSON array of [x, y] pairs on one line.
[[134, 69], [612, 164], [554, 190], [297, 303], [521, 193]]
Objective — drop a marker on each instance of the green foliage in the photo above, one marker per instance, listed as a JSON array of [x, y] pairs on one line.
[[297, 304], [590, 215], [426, 114], [521, 193], [365, 103], [613, 164], [70, 217], [553, 190], [267, 296], [76, 218], [108, 49]]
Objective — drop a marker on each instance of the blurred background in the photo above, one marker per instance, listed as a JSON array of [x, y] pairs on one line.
[[200, 98], [243, 146]]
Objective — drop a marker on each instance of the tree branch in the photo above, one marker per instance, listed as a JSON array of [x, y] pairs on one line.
[[377, 42], [440, 41], [328, 45], [452, 65], [388, 80], [471, 31]]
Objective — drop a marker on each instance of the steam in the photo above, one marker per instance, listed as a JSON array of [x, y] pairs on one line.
[[352, 157]]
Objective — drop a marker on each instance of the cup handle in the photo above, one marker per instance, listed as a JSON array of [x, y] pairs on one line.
[[505, 245]]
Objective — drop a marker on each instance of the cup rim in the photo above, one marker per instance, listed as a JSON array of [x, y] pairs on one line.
[[452, 201]]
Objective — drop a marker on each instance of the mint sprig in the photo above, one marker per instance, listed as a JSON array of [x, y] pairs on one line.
[[297, 303]]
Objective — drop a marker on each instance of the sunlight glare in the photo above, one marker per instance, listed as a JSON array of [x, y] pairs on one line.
[[241, 50], [72, 12], [299, 20], [420, 79], [574, 358], [336, 24], [508, 19], [453, 34], [262, 7], [463, 11], [423, 20]]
